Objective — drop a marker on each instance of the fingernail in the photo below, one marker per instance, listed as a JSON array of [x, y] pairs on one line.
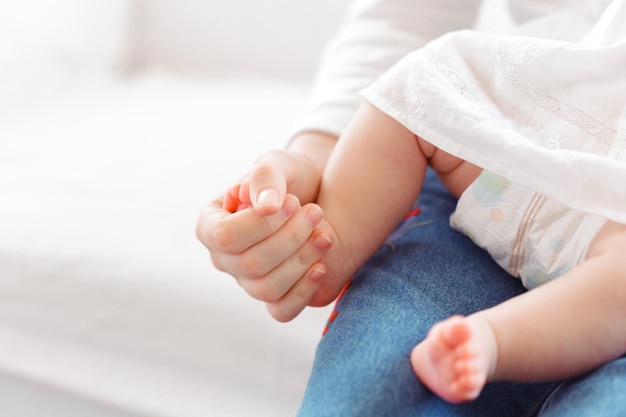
[[314, 214], [318, 273], [267, 198], [322, 241]]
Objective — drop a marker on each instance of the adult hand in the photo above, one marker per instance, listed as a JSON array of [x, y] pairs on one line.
[[273, 248]]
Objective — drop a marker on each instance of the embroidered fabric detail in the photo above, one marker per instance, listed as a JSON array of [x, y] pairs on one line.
[[517, 74]]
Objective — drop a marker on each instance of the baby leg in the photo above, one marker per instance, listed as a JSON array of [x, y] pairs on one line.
[[561, 329], [456, 358]]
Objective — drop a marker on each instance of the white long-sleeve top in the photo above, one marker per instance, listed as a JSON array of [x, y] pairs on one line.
[[545, 113], [377, 33]]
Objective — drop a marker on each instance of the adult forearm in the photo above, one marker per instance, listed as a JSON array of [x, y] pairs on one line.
[[311, 150]]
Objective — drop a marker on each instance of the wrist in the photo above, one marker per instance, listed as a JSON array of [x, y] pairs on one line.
[[315, 145], [310, 151]]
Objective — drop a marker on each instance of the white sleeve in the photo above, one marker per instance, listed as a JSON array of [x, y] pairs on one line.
[[375, 35]]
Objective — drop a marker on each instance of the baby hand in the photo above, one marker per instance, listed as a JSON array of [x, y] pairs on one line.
[[238, 197]]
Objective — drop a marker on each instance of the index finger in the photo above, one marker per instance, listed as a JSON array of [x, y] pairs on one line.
[[225, 232]]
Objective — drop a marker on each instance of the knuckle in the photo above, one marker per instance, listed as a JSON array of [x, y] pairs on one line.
[[203, 230], [263, 292], [288, 307], [200, 233], [267, 224], [223, 240], [263, 170], [279, 313], [308, 255], [217, 264], [252, 266], [299, 235], [303, 293], [294, 239], [266, 165]]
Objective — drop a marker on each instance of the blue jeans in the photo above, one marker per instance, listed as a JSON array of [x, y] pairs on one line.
[[423, 274]]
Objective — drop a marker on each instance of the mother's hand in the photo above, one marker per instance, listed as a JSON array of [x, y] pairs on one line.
[[272, 248], [274, 258]]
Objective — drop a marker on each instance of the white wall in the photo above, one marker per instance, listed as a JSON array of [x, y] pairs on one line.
[[44, 45], [278, 37]]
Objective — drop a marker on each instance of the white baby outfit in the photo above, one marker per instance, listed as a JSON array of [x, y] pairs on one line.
[[545, 119]]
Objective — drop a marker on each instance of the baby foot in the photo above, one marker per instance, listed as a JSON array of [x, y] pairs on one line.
[[454, 360]]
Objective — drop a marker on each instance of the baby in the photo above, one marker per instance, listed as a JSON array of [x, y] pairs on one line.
[[573, 260], [560, 329]]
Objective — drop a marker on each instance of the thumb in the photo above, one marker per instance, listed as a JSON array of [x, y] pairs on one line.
[[267, 188]]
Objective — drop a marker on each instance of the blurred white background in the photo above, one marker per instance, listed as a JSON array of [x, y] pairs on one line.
[[46, 46], [119, 119]]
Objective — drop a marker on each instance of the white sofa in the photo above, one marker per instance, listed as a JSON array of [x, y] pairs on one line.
[[119, 119]]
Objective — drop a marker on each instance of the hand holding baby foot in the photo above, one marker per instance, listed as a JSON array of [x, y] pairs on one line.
[[456, 358]]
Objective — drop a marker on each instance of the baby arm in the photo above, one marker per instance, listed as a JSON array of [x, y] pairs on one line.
[[370, 183]]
